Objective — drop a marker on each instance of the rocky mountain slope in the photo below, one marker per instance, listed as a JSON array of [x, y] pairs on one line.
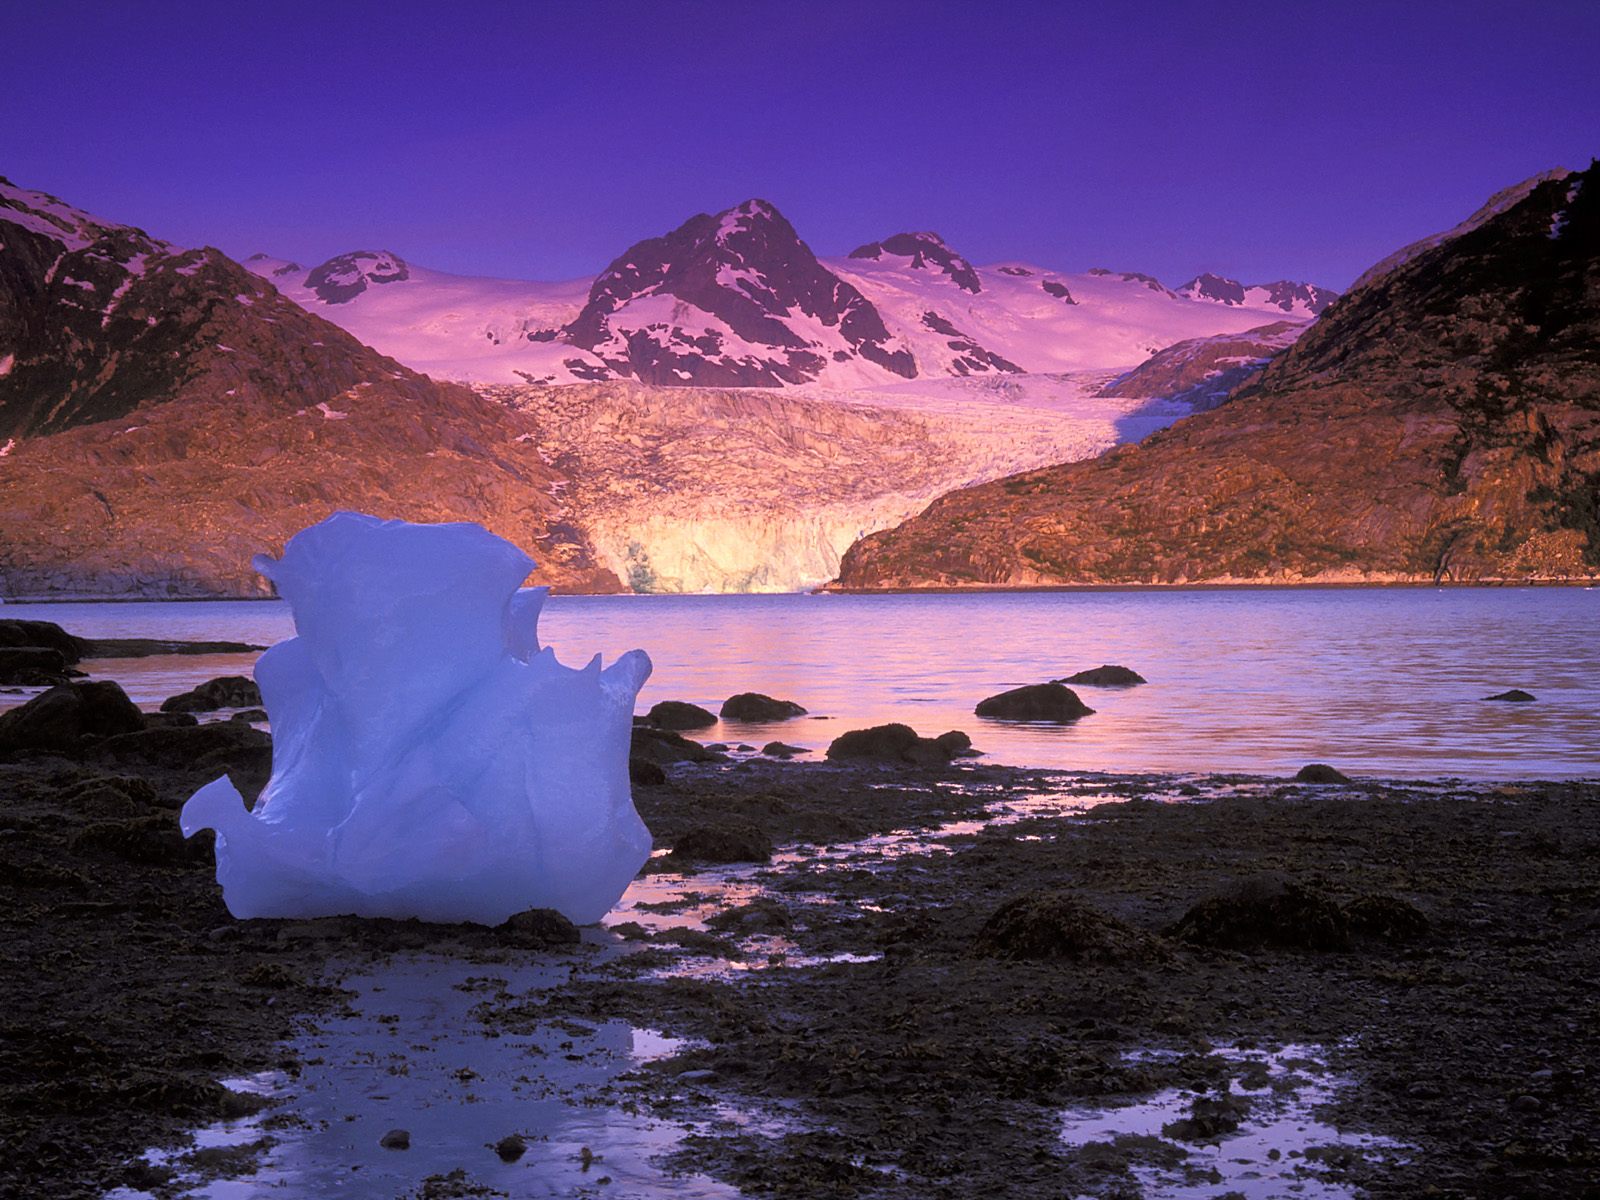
[[1296, 299], [1440, 422], [1201, 372], [694, 489], [738, 299], [168, 414]]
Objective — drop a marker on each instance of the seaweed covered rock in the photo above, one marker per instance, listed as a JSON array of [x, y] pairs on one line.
[[1054, 924], [1514, 696], [68, 716], [663, 747], [229, 691], [16, 633], [1320, 773], [1261, 912], [755, 707], [645, 773], [32, 666], [898, 743], [1036, 702], [728, 842], [537, 928], [1386, 919], [679, 714], [1109, 675]]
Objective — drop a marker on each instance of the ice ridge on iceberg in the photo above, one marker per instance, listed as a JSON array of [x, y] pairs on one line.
[[429, 758]]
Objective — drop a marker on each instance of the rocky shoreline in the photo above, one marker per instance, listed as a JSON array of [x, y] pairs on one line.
[[1440, 942]]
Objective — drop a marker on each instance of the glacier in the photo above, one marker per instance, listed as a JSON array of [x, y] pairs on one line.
[[430, 758]]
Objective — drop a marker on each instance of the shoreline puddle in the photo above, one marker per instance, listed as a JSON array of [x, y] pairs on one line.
[[1252, 1132]]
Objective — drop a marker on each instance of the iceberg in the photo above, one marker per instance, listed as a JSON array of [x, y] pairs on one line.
[[430, 759]]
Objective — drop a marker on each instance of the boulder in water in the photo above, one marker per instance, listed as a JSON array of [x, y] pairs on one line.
[[230, 691], [754, 707], [69, 716], [1108, 675], [1320, 773], [1514, 696], [1054, 702], [678, 714]]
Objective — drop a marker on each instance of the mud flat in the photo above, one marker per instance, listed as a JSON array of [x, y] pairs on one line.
[[848, 1017]]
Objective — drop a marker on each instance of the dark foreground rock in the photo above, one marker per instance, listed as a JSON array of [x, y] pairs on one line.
[[1036, 702], [679, 714], [229, 691], [32, 666], [731, 842], [1320, 773], [782, 750], [645, 773], [1055, 924], [1109, 675], [899, 743], [1265, 911], [1514, 696], [663, 747], [755, 707], [154, 647], [67, 717], [15, 632]]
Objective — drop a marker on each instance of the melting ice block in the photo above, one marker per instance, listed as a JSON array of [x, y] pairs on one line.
[[429, 759]]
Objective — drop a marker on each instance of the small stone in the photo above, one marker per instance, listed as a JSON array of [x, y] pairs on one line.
[[1526, 1104], [1423, 1091], [1320, 773], [510, 1148], [1514, 696], [396, 1139]]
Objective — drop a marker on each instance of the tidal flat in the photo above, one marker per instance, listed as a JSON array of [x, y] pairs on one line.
[[848, 1017]]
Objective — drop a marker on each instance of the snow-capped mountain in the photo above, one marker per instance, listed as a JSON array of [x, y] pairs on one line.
[[1200, 372], [738, 299], [1296, 299]]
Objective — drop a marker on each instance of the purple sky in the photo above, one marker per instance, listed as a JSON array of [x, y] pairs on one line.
[[540, 140]]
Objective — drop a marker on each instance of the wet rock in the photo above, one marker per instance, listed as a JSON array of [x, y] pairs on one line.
[[663, 747], [1265, 911], [956, 744], [753, 706], [1108, 675], [250, 715], [537, 928], [152, 647], [161, 720], [67, 716], [1053, 702], [1386, 919], [1210, 1118], [153, 840], [729, 842], [645, 773], [890, 743], [19, 633], [678, 714], [761, 915], [1320, 773], [32, 666], [219, 745], [396, 1139], [1053, 924], [510, 1148], [782, 750], [1514, 696], [229, 691]]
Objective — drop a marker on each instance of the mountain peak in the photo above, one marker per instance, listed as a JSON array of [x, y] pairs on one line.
[[1285, 294], [926, 251], [345, 276]]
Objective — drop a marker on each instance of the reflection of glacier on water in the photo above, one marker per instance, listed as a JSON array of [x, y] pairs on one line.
[[410, 1052], [1255, 1134]]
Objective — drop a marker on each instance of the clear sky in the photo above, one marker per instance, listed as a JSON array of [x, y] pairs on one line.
[[539, 140]]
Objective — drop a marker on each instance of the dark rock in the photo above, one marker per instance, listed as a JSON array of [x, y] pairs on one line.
[[63, 718], [510, 1148], [1106, 676], [734, 841], [889, 743], [662, 746], [153, 840], [1265, 911], [645, 773], [753, 706], [782, 750], [1514, 696], [1320, 773], [677, 714], [396, 1139], [1210, 1118], [1385, 918], [250, 715], [761, 915], [32, 666], [956, 744], [26, 634], [539, 927], [217, 746], [153, 647], [161, 720], [1037, 702], [230, 691], [1056, 924]]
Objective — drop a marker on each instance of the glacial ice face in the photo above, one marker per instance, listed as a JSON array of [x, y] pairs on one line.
[[429, 758]]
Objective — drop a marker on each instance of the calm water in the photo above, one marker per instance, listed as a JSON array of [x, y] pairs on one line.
[[1379, 681]]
